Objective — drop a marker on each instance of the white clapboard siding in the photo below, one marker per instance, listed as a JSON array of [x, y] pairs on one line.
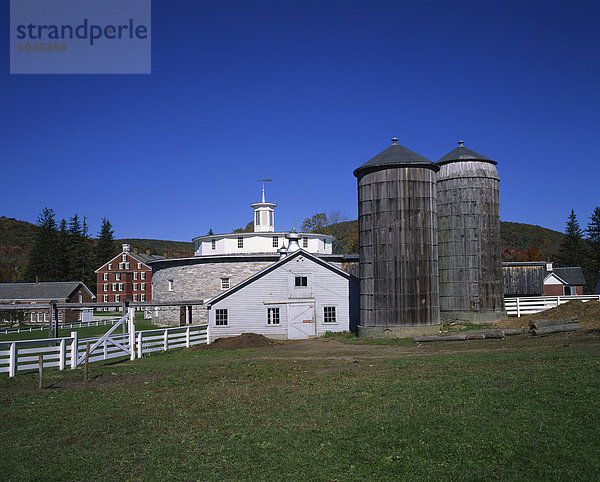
[[247, 307]]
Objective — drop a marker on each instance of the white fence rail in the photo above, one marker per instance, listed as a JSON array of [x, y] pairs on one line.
[[535, 304], [70, 351], [80, 324]]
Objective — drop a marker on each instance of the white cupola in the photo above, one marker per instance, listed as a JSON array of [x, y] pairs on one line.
[[264, 215]]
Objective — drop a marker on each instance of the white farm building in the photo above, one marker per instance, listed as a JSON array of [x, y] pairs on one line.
[[248, 275]]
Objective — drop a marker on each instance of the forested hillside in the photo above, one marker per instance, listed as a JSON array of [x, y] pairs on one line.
[[17, 237], [520, 242]]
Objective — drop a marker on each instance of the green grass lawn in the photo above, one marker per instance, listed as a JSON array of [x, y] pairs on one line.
[[213, 414], [85, 332]]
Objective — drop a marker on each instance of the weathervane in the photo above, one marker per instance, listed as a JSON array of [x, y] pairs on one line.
[[263, 187]]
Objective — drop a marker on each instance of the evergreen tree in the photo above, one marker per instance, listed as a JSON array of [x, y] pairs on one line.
[[572, 249], [593, 237], [77, 252], [105, 248], [44, 258], [63, 251]]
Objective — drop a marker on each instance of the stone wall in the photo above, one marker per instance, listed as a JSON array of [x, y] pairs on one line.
[[198, 279]]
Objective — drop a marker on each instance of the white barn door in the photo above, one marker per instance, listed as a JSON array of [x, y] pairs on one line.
[[301, 321]]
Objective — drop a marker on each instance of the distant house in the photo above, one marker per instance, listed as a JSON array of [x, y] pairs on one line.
[[299, 296], [45, 292], [540, 278], [126, 276], [563, 281]]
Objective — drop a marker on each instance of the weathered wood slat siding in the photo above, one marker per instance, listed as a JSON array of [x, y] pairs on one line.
[[523, 280], [398, 247], [470, 265], [247, 311]]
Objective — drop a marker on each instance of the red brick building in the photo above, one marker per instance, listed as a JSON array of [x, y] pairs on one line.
[[126, 276], [45, 292]]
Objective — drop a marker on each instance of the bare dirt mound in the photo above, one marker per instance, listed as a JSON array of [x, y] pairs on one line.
[[245, 340], [588, 315]]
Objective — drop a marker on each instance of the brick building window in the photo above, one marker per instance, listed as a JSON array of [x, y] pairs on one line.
[[143, 286], [143, 275], [135, 275], [105, 276]]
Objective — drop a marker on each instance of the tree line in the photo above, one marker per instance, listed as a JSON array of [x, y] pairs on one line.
[[64, 251], [581, 247]]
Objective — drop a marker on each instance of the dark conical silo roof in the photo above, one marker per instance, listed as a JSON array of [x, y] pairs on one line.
[[461, 153], [395, 156]]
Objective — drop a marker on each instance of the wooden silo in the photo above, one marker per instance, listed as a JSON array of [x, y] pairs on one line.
[[470, 267], [398, 269]]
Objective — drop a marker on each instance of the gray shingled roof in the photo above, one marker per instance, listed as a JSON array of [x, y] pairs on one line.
[[144, 258], [461, 153], [572, 276], [58, 291], [394, 156]]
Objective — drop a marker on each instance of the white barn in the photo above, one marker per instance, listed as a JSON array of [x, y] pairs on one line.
[[300, 296]]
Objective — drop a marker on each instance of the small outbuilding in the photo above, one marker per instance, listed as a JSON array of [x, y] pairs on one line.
[[596, 287], [299, 296], [563, 281], [42, 293]]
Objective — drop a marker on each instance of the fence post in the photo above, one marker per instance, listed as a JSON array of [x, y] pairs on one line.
[[61, 355], [187, 337], [130, 319], [12, 367], [166, 340], [74, 350], [139, 345], [558, 301], [208, 333], [518, 309]]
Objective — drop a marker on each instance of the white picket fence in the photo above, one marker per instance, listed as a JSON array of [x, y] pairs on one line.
[[70, 351], [80, 324], [535, 304]]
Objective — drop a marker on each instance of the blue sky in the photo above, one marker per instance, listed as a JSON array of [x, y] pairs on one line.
[[304, 92]]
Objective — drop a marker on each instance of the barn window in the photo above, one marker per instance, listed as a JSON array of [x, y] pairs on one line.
[[272, 316], [225, 283], [221, 317], [305, 242], [257, 222], [213, 243], [301, 281], [240, 242], [275, 242], [329, 314], [170, 285]]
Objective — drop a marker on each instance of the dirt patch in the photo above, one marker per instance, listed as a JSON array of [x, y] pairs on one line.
[[588, 315], [245, 340]]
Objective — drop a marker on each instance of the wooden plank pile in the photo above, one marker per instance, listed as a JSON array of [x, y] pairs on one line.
[[544, 327], [536, 327]]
